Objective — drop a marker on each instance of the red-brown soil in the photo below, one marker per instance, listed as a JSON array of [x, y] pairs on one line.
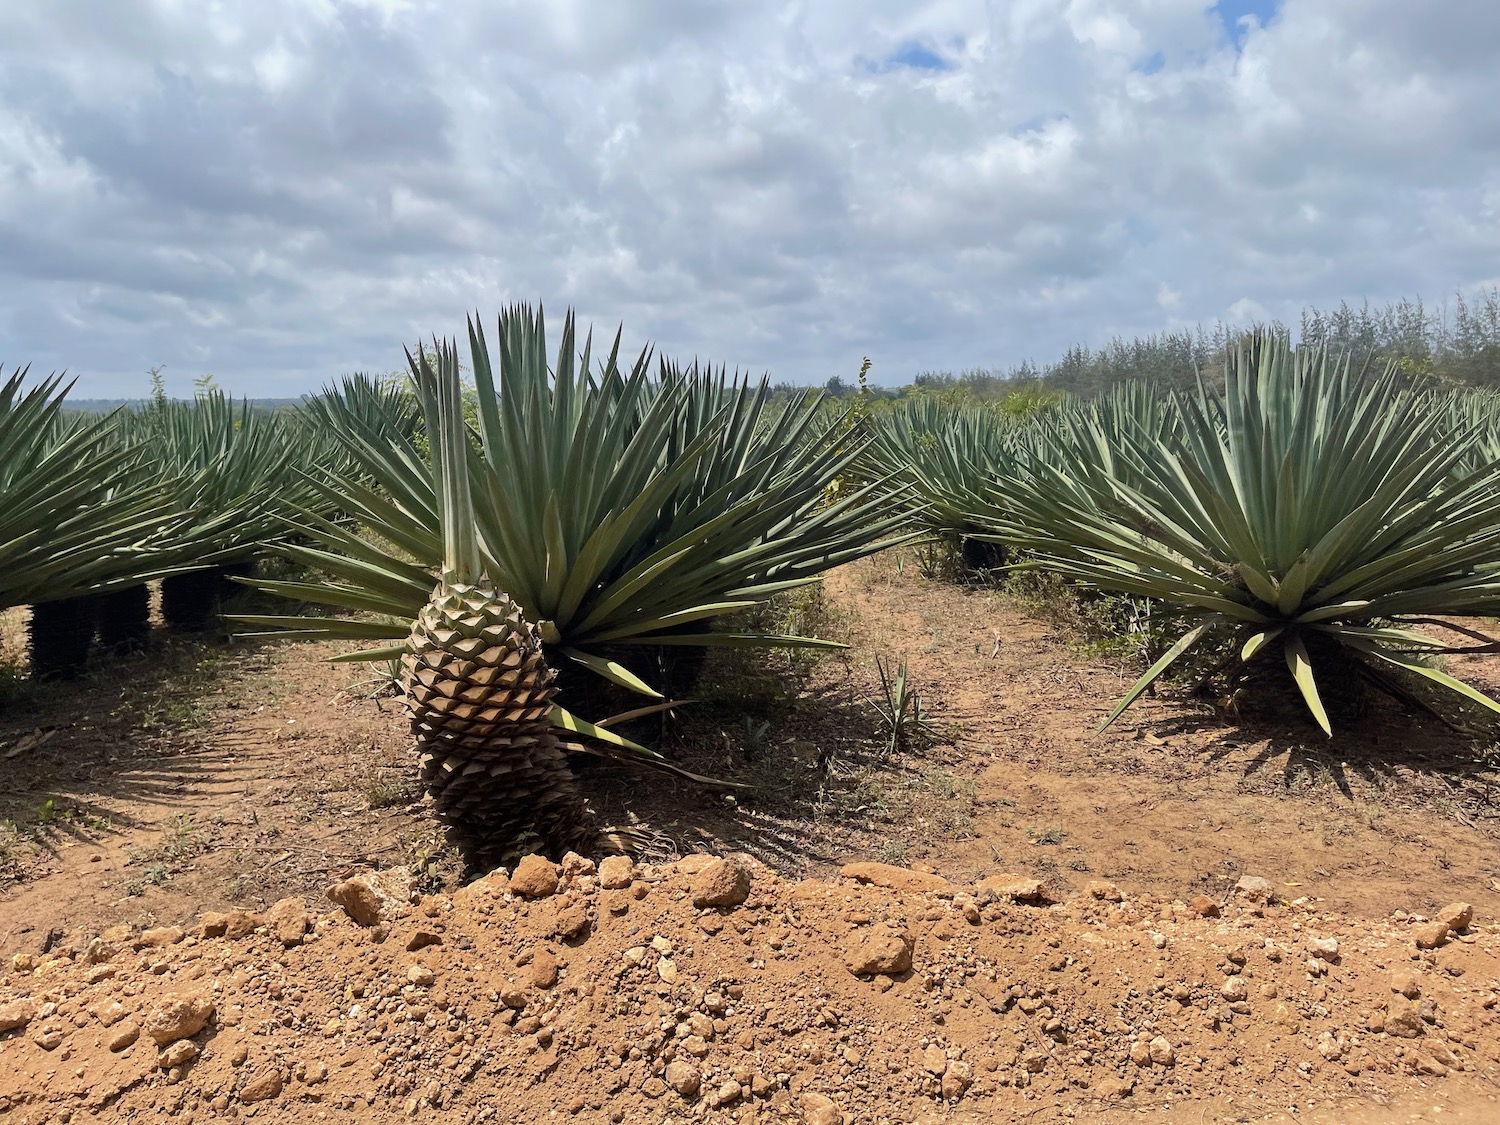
[[222, 778], [631, 1004]]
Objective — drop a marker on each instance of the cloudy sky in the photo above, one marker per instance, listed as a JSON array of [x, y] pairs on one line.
[[280, 191]]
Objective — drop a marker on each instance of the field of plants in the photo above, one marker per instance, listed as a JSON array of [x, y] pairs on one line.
[[538, 596]]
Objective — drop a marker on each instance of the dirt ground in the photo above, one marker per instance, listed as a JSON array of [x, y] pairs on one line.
[[231, 777]]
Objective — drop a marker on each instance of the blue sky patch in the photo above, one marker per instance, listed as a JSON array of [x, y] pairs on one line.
[[1153, 64], [1230, 12], [914, 56]]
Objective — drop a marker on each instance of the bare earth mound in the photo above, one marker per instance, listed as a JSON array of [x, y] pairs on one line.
[[712, 990]]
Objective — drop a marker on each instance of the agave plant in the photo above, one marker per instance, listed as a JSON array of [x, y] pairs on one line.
[[949, 455], [1305, 515], [623, 510], [475, 678], [68, 529], [241, 474]]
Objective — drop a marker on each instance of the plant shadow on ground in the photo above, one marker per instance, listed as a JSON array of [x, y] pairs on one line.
[[1388, 751], [111, 751], [116, 733], [811, 774]]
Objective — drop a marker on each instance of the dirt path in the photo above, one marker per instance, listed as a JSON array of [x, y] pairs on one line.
[[212, 778], [1392, 814]]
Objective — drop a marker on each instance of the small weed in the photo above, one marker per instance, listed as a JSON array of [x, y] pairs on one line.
[[899, 708], [12, 848], [384, 789], [47, 812], [433, 860], [157, 874], [177, 839], [893, 852], [135, 890], [240, 888], [943, 785], [1047, 836], [755, 739]]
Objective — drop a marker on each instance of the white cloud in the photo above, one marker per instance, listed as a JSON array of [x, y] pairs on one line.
[[282, 191]]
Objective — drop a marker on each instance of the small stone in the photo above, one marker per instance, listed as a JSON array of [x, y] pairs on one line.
[[1457, 916], [420, 975], [1103, 890], [211, 924], [1252, 888], [1439, 1051], [178, 1016], [160, 937], [653, 1087], [48, 1038], [1204, 907], [616, 872], [1430, 935], [1323, 948], [572, 922], [543, 969], [265, 1085], [1407, 983], [666, 968], [289, 921], [16, 1015], [111, 1014], [1162, 1052], [934, 1061], [421, 939], [690, 865], [574, 865], [636, 954], [881, 949], [818, 1109], [123, 1036], [684, 1077], [695, 1045], [727, 1094], [1235, 989], [241, 924], [1329, 1047], [1012, 888], [957, 1079], [513, 996], [1403, 1021], [1140, 1053], [895, 878], [99, 951], [359, 900], [534, 877], [179, 1053], [724, 882]]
